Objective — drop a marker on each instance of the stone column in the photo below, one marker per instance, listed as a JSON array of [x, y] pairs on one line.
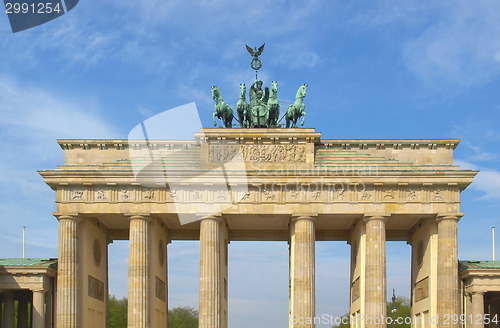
[[447, 271], [468, 310], [375, 273], [303, 283], [8, 315], [49, 307], [210, 273], [38, 309], [138, 273], [67, 275], [477, 310], [22, 313]]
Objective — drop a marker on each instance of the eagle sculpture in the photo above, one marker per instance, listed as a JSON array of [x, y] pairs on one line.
[[255, 52]]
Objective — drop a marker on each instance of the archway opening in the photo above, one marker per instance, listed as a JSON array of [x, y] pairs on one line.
[[398, 259], [332, 281], [258, 284]]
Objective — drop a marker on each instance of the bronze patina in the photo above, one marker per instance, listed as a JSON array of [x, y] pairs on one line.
[[264, 108]]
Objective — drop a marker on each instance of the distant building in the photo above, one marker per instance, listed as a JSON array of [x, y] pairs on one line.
[[480, 281], [32, 284]]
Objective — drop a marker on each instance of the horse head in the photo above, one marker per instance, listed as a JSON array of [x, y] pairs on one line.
[[243, 89], [274, 87], [301, 93], [215, 92], [303, 89]]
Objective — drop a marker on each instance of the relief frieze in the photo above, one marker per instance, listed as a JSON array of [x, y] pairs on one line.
[[149, 195], [258, 153], [78, 195], [125, 195], [101, 195], [279, 193]]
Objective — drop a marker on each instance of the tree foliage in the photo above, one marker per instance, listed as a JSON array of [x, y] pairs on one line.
[[179, 317], [403, 310], [117, 310], [183, 317]]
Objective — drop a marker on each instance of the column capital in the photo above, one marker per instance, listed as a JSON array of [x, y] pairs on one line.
[[476, 292], [138, 216], [310, 217], [214, 217], [376, 216], [449, 216], [39, 290], [67, 216]]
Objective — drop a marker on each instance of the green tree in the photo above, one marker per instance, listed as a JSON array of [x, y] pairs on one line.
[[403, 310], [344, 321], [183, 317], [117, 310], [179, 317]]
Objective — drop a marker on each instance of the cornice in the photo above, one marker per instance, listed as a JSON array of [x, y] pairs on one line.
[[414, 144], [258, 136]]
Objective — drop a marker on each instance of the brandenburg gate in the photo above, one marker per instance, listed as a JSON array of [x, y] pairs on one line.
[[256, 184]]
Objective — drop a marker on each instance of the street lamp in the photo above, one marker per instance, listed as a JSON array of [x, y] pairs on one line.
[[394, 309]]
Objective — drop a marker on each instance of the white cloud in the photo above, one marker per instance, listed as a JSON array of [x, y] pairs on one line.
[[402, 13], [32, 120], [487, 180], [460, 46]]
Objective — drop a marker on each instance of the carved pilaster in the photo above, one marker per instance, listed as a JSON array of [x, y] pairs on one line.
[[38, 309]]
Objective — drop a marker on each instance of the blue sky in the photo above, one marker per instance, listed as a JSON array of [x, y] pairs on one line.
[[379, 69]]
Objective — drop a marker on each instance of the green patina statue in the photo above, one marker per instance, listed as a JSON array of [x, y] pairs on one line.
[[243, 108], [258, 106], [264, 108], [297, 109], [273, 105], [222, 110]]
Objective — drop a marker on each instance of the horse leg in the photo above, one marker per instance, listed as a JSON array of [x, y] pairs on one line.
[[245, 118], [294, 120], [240, 116], [215, 124], [303, 118]]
